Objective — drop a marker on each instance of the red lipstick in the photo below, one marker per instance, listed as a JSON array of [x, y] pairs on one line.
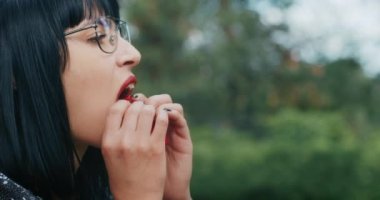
[[126, 90]]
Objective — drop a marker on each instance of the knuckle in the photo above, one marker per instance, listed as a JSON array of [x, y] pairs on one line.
[[143, 148], [107, 148], [118, 108], [167, 97], [136, 106], [127, 147], [179, 107], [153, 100], [149, 109], [162, 121]]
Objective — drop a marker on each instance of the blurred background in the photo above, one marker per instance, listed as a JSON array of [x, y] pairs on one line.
[[282, 95]]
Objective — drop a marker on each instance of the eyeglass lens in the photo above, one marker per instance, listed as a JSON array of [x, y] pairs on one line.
[[107, 33]]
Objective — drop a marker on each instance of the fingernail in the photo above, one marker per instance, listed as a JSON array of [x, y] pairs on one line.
[[167, 109]]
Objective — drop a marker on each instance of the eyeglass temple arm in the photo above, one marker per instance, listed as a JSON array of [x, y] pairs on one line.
[[78, 30]]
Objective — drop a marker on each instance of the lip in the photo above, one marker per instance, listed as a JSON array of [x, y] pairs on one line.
[[130, 80]]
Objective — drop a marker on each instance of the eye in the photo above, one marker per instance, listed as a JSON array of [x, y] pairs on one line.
[[96, 38]]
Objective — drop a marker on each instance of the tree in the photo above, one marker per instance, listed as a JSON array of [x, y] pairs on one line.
[[214, 56]]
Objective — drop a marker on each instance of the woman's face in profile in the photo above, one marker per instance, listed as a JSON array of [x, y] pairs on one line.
[[92, 81]]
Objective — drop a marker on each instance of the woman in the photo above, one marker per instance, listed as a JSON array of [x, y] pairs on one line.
[[70, 126]]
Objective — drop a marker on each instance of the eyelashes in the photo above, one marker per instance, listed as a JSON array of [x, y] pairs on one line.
[[99, 37]]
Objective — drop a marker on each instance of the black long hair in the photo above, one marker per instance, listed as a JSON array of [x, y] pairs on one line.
[[36, 147]]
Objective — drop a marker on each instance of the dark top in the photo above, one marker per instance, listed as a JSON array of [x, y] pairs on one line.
[[9, 190]]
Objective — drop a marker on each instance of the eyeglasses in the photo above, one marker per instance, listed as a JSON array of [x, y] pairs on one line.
[[106, 33]]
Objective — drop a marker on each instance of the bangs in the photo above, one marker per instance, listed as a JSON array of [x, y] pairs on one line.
[[75, 11], [71, 13]]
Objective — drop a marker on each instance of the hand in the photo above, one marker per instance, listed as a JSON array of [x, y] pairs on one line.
[[179, 148], [134, 154]]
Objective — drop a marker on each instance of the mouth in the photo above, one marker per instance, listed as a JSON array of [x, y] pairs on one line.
[[126, 90]]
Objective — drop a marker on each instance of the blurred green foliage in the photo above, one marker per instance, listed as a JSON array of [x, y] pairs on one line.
[[265, 125], [305, 155]]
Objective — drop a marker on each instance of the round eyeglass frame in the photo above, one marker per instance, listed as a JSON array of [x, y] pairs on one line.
[[120, 26]]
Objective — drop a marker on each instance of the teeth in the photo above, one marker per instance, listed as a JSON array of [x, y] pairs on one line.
[[129, 89], [131, 86], [127, 92]]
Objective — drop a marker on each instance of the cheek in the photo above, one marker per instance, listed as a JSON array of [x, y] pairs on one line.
[[87, 118], [89, 92]]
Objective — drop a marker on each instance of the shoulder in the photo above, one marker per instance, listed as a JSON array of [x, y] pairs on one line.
[[11, 190]]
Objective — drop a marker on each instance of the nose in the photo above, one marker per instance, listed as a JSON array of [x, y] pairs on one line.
[[127, 54]]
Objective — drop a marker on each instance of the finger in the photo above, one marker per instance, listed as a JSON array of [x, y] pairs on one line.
[[157, 100], [131, 116], [139, 97], [113, 122], [160, 128], [115, 115], [177, 121], [145, 121], [173, 106], [178, 136]]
